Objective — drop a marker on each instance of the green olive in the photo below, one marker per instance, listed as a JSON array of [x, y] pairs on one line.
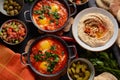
[[78, 68], [73, 70], [19, 7], [73, 65], [76, 76], [16, 7], [10, 7], [80, 78], [70, 72], [16, 11], [5, 2], [84, 67], [12, 13], [16, 4], [11, 2], [5, 7]]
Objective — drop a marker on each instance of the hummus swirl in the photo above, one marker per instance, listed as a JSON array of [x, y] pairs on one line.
[[95, 29]]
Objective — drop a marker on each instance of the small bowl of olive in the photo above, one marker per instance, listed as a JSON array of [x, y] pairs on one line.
[[80, 69], [11, 7]]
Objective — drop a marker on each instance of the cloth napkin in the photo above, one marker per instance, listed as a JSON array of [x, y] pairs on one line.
[[11, 67]]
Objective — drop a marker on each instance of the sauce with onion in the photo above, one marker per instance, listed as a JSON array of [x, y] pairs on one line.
[[48, 56], [49, 14]]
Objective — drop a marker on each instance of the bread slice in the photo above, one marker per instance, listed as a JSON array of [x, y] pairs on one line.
[[105, 76], [107, 2], [118, 15], [114, 7], [101, 4]]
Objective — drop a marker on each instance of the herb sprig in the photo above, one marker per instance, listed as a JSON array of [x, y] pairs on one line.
[[50, 57]]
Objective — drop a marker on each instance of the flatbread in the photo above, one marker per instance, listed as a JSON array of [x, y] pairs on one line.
[[101, 4], [107, 2], [118, 16], [105, 76], [114, 7]]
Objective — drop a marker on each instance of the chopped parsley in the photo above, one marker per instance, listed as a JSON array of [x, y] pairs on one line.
[[53, 48], [50, 57], [42, 16]]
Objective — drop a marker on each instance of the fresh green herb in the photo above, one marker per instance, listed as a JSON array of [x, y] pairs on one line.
[[103, 62], [48, 54], [38, 12], [41, 16], [46, 7], [55, 15], [50, 68], [56, 59], [47, 57], [53, 48], [38, 57]]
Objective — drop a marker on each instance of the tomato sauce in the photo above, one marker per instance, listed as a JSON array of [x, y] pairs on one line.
[[49, 58], [49, 14]]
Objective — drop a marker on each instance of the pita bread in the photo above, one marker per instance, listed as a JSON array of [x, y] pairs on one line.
[[105, 76], [107, 2], [114, 7], [118, 15], [102, 5]]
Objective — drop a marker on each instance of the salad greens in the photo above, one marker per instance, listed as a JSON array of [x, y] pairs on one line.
[[103, 62]]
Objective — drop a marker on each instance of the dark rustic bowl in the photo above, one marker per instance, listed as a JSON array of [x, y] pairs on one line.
[[60, 72], [21, 2], [67, 6], [19, 22], [90, 67]]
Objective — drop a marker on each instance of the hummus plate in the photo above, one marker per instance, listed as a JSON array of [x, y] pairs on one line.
[[75, 28]]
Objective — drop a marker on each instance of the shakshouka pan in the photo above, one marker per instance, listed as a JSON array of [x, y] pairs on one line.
[[49, 14], [48, 56]]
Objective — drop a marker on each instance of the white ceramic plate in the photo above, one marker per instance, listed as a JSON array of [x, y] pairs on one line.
[[94, 10]]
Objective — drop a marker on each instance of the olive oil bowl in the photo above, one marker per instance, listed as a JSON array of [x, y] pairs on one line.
[[80, 69], [11, 7]]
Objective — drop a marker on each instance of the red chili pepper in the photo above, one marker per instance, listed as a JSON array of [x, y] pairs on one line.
[[68, 39]]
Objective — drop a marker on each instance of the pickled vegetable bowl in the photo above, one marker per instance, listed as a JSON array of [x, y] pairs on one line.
[[80, 69], [13, 31]]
